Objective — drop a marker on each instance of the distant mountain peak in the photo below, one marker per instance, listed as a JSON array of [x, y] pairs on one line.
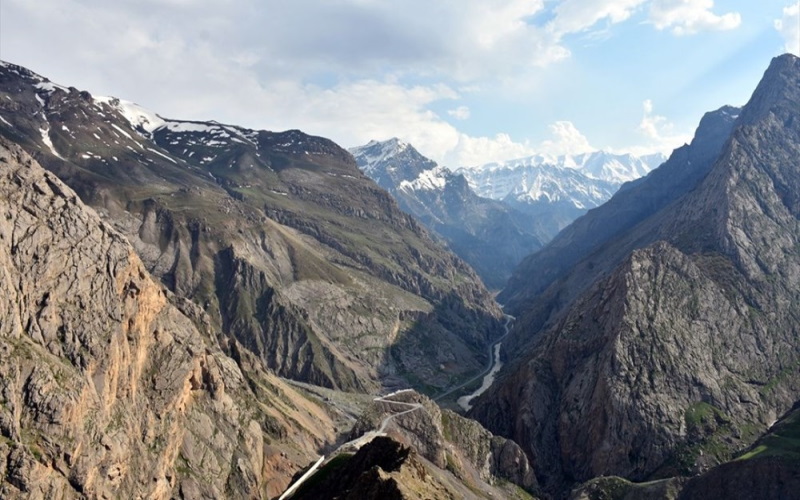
[[776, 91], [376, 153], [393, 144], [391, 162], [600, 165]]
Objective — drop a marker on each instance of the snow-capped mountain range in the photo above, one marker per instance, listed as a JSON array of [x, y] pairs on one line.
[[585, 180]]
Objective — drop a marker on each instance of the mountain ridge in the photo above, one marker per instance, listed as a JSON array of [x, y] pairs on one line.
[[585, 180], [494, 230], [255, 227]]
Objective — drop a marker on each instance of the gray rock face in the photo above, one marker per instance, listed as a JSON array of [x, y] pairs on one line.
[[112, 387], [685, 350], [770, 469]]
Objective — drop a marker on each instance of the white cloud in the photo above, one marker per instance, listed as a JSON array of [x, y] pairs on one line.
[[474, 151], [459, 113], [567, 139], [789, 28], [573, 16], [248, 62], [687, 17], [659, 133]]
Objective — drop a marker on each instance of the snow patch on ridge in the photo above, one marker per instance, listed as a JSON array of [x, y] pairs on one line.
[[50, 87], [429, 180], [47, 142], [140, 118]]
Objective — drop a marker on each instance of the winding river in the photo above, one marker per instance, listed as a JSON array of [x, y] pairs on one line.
[[465, 402]]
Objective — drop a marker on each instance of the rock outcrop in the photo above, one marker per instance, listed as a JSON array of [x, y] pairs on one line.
[[685, 349], [450, 441], [113, 387], [382, 469]]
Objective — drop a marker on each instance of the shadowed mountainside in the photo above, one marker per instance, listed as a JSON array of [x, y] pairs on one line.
[[672, 344]]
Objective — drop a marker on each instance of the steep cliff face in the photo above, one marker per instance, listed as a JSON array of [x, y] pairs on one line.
[[110, 386], [686, 350], [278, 236]]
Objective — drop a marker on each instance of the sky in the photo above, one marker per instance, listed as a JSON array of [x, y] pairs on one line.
[[466, 82]]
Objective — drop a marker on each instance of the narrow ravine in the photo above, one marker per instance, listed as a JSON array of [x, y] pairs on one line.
[[495, 364], [465, 402], [491, 371]]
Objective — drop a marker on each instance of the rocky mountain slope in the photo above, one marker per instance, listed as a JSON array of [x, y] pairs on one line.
[[770, 468], [489, 235], [382, 469], [113, 387], [277, 236], [387, 469], [673, 343]]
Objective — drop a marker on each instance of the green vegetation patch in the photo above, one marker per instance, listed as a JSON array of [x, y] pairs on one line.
[[702, 414], [710, 432], [783, 441], [782, 376], [607, 488]]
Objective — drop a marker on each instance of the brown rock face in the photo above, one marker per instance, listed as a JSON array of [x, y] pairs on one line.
[[683, 347], [107, 388]]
